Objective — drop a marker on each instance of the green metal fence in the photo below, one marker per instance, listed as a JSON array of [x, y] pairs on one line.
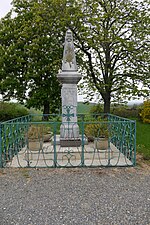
[[104, 141], [12, 138]]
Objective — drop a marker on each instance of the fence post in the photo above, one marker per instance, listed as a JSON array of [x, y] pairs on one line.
[[82, 143], [55, 154], [1, 163], [134, 163]]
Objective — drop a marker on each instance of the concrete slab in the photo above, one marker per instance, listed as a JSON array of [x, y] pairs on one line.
[[69, 157]]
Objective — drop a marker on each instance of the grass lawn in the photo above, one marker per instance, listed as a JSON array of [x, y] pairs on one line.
[[143, 139]]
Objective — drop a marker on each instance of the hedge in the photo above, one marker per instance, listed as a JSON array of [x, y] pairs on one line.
[[10, 111]]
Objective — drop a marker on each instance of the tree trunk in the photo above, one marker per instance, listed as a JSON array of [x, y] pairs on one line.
[[46, 111], [107, 103]]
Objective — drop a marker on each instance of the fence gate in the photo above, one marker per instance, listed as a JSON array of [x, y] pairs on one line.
[[103, 140]]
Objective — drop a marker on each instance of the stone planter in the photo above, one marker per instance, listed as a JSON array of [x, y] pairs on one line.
[[35, 144], [47, 137], [101, 143], [90, 138]]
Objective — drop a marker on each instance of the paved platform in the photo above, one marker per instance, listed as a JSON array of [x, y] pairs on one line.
[[69, 157]]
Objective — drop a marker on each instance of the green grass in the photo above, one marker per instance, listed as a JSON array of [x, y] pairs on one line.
[[143, 139]]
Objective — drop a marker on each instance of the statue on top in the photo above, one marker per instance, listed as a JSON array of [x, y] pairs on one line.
[[69, 59]]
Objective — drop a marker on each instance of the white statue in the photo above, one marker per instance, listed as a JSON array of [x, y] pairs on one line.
[[69, 59]]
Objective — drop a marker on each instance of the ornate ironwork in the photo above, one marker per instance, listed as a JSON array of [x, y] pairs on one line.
[[15, 150]]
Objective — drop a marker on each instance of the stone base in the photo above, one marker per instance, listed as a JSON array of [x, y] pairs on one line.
[[70, 142], [70, 131], [74, 141]]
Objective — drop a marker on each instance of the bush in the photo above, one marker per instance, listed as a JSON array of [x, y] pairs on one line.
[[10, 111], [126, 112], [118, 110], [96, 130], [145, 112], [92, 130], [37, 131], [96, 109]]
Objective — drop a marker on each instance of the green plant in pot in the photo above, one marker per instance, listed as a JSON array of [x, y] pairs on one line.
[[101, 141], [98, 132], [91, 131]]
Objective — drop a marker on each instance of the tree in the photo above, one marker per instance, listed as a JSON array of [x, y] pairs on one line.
[[31, 53], [113, 36], [112, 43]]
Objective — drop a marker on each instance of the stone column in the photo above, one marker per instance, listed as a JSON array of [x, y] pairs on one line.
[[69, 77]]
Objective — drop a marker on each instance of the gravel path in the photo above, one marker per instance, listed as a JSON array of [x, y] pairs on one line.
[[75, 196]]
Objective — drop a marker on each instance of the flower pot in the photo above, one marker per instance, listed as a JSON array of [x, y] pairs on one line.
[[35, 145], [47, 137], [101, 143], [90, 139]]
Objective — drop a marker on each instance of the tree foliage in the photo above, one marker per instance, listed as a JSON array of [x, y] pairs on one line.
[[31, 53], [11, 110], [112, 43], [114, 38]]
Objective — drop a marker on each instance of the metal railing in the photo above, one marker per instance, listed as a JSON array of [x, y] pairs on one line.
[[16, 147], [12, 137]]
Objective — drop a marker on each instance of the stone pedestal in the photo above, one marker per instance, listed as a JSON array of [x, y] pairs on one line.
[[69, 127]]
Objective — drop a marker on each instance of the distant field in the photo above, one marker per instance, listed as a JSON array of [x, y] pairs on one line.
[[84, 108]]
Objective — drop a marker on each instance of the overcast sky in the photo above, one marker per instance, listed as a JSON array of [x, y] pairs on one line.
[[5, 6]]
